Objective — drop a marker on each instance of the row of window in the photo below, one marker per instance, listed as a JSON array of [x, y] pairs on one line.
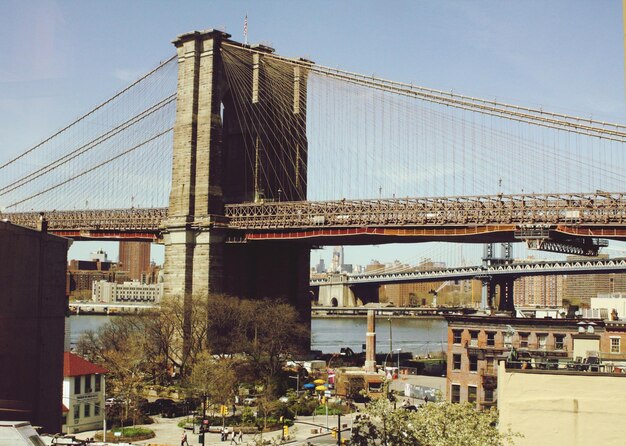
[[86, 410], [97, 384], [542, 339], [472, 394], [457, 358]]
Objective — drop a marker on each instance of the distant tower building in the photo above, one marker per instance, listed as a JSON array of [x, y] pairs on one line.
[[134, 257], [320, 267], [337, 261], [539, 291], [98, 256]]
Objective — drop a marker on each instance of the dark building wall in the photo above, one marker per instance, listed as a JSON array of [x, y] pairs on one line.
[[32, 321], [278, 271]]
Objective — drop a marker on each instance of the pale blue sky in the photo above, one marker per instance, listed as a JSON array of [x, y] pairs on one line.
[[60, 58]]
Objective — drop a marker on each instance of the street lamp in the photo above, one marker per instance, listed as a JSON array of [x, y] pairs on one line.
[[399, 350]]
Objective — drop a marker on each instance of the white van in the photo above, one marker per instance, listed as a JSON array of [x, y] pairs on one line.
[[19, 433]]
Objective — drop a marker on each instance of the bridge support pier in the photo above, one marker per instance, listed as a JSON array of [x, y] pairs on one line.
[[210, 167], [506, 295]]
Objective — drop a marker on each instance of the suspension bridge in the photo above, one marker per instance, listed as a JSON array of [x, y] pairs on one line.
[[239, 160]]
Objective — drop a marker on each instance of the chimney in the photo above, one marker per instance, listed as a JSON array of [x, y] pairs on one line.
[[370, 346]]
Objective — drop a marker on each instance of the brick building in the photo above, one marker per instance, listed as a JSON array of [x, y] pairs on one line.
[[32, 319], [477, 343], [81, 274], [134, 257], [541, 291]]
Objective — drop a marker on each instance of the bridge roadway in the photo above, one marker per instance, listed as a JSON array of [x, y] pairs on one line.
[[516, 269], [478, 219]]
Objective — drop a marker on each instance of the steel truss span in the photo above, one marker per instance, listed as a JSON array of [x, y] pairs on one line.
[[139, 224], [471, 218], [598, 209], [516, 269]]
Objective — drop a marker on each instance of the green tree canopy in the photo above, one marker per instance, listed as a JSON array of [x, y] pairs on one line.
[[433, 424]]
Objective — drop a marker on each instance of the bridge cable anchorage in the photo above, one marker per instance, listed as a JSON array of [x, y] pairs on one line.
[[356, 134], [128, 119], [524, 114], [268, 119], [126, 152], [86, 147], [89, 113]]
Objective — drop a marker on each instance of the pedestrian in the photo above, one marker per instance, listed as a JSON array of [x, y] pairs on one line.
[[233, 439], [223, 437], [426, 399], [183, 439], [240, 436]]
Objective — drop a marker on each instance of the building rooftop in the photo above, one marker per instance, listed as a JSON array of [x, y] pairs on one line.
[[74, 365]]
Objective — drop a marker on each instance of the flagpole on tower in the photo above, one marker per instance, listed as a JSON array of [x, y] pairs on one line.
[[245, 30]]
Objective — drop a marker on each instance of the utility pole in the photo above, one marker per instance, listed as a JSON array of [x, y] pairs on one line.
[[339, 422], [390, 332]]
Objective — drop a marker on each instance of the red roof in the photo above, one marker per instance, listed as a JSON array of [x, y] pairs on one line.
[[74, 365], [64, 409]]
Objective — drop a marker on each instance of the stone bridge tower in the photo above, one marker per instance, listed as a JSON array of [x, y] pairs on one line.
[[213, 149]]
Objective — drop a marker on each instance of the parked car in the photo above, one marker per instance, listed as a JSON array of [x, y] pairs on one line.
[[173, 409], [157, 407]]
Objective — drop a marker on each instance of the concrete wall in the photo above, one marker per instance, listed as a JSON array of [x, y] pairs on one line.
[[564, 408], [32, 317]]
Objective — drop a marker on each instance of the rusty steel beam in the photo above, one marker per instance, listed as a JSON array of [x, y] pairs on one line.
[[601, 209]]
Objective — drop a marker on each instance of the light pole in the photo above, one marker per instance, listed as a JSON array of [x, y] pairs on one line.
[[390, 335], [399, 350]]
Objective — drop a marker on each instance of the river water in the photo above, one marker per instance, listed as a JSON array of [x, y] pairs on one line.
[[420, 336]]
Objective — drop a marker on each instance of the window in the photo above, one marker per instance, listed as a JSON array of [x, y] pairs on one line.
[[473, 363], [88, 384], [542, 340], [98, 383], [491, 338], [508, 340], [523, 340], [87, 410], [559, 341], [456, 336], [77, 411], [455, 394], [456, 362], [615, 345], [473, 338], [96, 409], [76, 385], [471, 394], [489, 395]]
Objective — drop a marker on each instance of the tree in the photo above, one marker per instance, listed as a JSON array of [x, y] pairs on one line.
[[215, 378], [434, 424], [120, 348]]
